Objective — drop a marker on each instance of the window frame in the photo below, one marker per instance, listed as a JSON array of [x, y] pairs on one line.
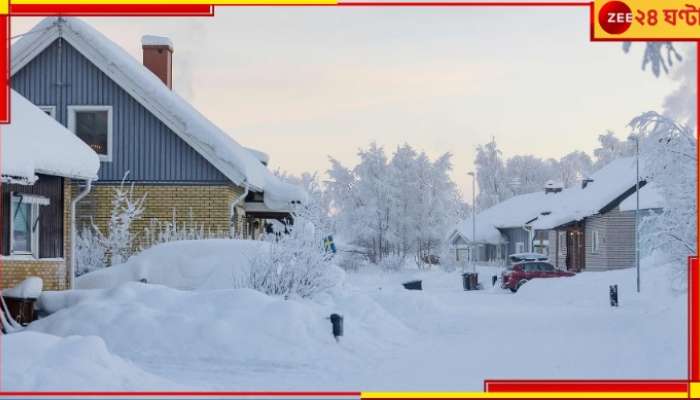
[[561, 239], [34, 202], [51, 110], [72, 110], [595, 242]]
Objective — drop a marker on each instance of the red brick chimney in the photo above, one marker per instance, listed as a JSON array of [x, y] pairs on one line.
[[158, 57]]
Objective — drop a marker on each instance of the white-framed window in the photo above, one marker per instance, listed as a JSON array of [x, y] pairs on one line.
[[24, 224], [93, 124], [519, 247], [49, 110], [595, 242], [562, 243]]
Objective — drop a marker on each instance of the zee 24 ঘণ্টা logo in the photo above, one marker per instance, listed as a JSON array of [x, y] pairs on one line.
[[616, 17]]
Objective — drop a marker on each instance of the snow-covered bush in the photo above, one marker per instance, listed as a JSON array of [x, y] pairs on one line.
[[350, 261], [159, 232], [392, 262], [294, 264], [89, 252]]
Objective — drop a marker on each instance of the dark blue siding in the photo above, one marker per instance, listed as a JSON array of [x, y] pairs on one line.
[[60, 76]]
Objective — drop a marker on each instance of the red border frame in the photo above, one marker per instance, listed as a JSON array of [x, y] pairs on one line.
[[131, 10], [578, 386]]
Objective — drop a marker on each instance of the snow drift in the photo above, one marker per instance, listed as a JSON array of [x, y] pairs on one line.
[[224, 329], [186, 264], [37, 361]]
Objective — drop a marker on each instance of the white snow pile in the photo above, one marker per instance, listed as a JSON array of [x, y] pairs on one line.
[[29, 288], [37, 361], [656, 291], [187, 264], [440, 338], [236, 331], [232, 159], [34, 143]]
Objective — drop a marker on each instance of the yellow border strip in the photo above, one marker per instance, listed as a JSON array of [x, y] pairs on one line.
[[528, 395], [208, 2], [694, 388]]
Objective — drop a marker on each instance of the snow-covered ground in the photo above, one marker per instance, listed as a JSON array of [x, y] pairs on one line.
[[148, 336]]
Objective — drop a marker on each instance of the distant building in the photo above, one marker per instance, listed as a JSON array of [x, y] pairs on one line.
[[586, 227]]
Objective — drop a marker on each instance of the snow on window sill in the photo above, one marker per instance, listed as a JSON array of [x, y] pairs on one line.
[[28, 257]]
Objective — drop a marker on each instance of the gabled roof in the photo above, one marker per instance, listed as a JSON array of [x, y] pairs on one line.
[[515, 212], [610, 187], [217, 147], [34, 143]]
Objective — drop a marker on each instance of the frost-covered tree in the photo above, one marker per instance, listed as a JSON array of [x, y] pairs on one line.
[[119, 240], [659, 55], [405, 200], [574, 167], [527, 173], [611, 148], [680, 105], [401, 206], [669, 155], [491, 176]]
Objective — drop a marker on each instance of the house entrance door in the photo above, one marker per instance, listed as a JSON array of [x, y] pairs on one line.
[[575, 250]]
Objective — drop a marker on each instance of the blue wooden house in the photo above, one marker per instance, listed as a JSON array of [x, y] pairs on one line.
[[126, 111]]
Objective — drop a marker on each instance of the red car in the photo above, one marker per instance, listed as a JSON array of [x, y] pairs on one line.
[[516, 276]]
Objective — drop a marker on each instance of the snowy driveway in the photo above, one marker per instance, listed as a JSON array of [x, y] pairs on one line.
[[441, 338]]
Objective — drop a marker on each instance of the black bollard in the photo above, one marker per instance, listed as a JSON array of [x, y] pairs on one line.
[[494, 279], [613, 296], [337, 321]]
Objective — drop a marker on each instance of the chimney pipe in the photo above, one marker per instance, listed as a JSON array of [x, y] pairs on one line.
[[158, 57]]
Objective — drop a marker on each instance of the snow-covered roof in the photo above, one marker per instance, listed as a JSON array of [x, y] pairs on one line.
[[540, 210], [576, 203], [34, 143], [215, 145], [649, 197], [512, 213], [262, 157]]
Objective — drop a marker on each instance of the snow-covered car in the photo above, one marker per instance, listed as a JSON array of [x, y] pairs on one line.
[[516, 276], [521, 257]]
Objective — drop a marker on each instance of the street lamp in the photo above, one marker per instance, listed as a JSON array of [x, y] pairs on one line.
[[636, 210], [473, 175]]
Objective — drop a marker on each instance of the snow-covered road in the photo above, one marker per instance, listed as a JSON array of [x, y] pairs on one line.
[[441, 338]]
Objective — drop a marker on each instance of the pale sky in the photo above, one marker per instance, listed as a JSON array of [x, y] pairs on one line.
[[302, 84]]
